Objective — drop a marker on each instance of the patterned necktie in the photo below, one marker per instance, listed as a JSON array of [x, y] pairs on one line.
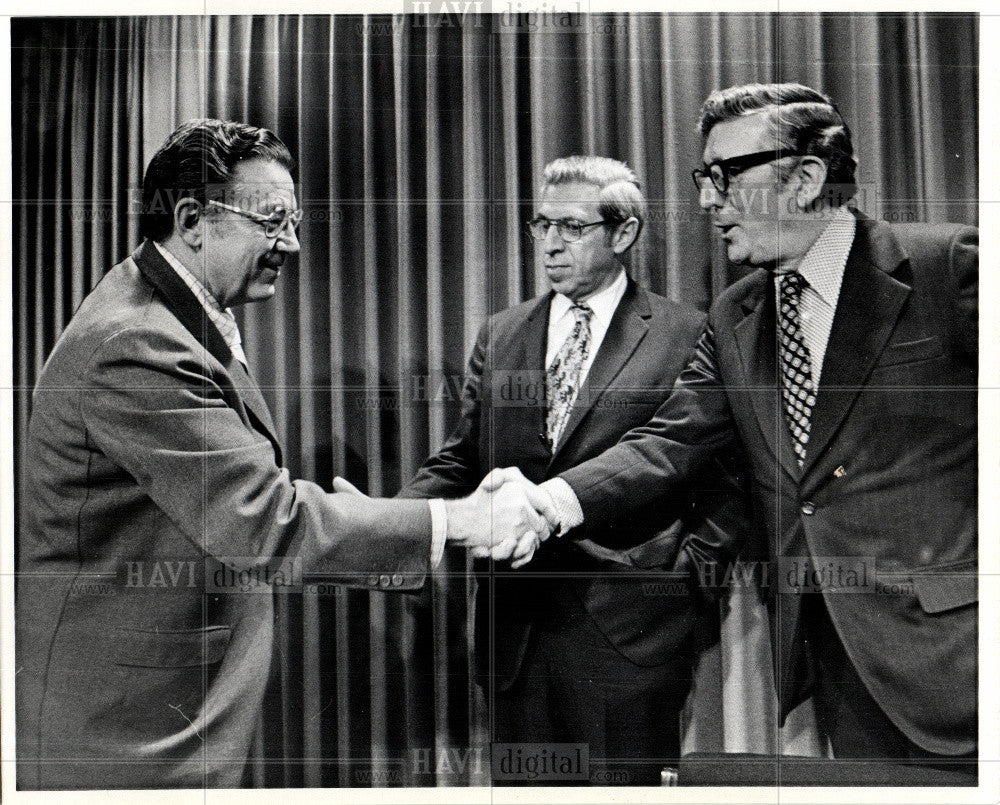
[[797, 389], [562, 380]]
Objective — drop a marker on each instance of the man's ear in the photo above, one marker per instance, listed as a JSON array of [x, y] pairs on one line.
[[809, 176], [188, 221], [624, 235]]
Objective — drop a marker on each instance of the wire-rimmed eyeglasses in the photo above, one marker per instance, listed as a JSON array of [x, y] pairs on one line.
[[274, 224], [569, 230]]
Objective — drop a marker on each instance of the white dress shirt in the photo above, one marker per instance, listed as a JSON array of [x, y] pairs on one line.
[[604, 303]]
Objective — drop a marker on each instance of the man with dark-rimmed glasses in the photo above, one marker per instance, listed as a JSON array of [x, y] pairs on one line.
[[845, 365], [578, 646]]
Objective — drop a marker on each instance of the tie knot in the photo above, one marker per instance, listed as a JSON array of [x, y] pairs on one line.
[[793, 282], [582, 311], [792, 285]]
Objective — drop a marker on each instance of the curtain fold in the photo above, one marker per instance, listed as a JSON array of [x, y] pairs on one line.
[[420, 147]]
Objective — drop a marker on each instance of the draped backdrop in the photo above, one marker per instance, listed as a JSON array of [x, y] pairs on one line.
[[420, 143]]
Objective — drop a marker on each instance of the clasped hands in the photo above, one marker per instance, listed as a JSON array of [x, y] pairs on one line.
[[507, 517]]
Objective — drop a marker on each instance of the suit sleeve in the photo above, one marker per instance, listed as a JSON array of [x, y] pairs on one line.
[[719, 523], [454, 470], [156, 411], [964, 264], [691, 426]]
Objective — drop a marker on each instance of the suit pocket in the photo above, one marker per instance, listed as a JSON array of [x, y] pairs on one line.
[[945, 587], [911, 351], [174, 649]]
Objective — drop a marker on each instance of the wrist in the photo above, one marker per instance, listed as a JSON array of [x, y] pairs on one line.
[[565, 503], [459, 519]]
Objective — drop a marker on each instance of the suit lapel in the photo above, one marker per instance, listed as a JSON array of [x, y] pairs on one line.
[[869, 304], [181, 301], [191, 313], [756, 338], [254, 401], [627, 329], [525, 352]]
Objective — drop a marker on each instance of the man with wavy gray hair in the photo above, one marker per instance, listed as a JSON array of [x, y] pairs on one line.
[[845, 365], [591, 642]]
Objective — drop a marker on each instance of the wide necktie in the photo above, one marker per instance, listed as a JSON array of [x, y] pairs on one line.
[[562, 379], [797, 388]]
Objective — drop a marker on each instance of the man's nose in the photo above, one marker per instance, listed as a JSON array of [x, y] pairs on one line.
[[552, 243], [710, 197], [288, 240]]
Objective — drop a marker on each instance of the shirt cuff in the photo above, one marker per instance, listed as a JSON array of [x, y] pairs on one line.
[[566, 503], [439, 530]]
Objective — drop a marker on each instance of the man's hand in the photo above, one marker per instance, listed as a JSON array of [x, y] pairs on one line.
[[505, 517], [498, 490], [524, 550], [538, 497], [519, 550]]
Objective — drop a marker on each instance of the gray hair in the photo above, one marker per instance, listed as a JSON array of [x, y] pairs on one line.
[[619, 191]]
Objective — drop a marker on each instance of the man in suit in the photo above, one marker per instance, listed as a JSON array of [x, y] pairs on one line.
[[845, 365], [593, 644], [153, 466]]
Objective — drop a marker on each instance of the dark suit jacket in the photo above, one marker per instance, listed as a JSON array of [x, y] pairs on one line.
[[889, 482], [502, 425], [152, 468]]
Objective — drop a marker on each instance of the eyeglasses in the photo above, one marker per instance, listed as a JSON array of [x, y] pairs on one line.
[[568, 229], [274, 224], [723, 171]]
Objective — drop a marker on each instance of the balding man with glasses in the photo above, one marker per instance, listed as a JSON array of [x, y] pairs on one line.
[[590, 642]]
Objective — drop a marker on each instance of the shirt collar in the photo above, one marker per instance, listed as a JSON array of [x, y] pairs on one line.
[[222, 318], [823, 265], [197, 286], [603, 303]]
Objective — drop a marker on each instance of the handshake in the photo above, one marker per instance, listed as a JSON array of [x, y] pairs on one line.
[[506, 518]]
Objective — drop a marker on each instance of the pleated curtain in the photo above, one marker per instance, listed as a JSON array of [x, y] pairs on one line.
[[420, 144]]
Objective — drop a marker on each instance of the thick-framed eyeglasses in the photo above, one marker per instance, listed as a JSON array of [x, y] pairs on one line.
[[274, 224], [568, 229], [723, 171]]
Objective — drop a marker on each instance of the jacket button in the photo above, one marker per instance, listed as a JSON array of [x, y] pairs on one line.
[[397, 580], [384, 581], [372, 581], [808, 508]]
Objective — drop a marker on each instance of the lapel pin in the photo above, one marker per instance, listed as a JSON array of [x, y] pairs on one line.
[[840, 472]]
